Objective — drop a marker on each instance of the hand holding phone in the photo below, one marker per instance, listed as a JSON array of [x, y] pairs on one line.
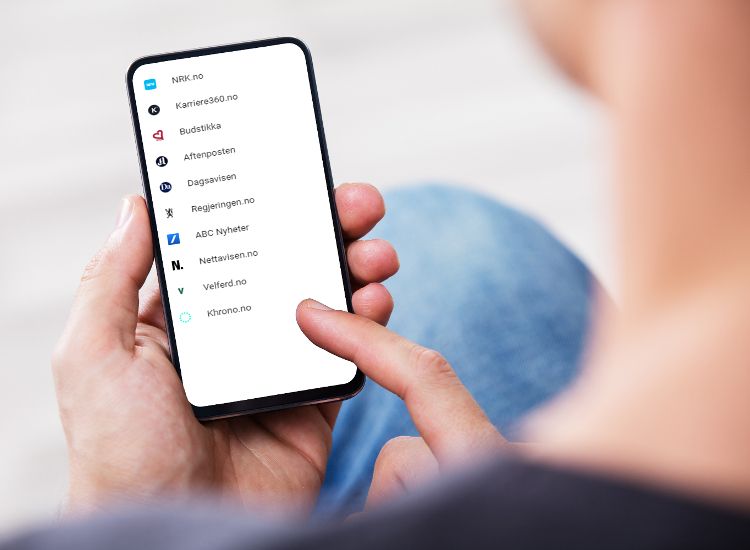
[[131, 431]]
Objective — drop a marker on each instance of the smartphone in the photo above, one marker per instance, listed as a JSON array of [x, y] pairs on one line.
[[238, 184]]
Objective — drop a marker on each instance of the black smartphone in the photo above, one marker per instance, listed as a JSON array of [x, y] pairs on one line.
[[238, 185]]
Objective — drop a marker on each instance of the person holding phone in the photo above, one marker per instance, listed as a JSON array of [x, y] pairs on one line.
[[647, 449]]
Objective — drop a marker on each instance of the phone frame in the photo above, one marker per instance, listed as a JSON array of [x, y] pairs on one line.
[[272, 402]]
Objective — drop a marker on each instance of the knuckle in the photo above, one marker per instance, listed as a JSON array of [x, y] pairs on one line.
[[388, 453], [430, 364], [399, 453], [395, 444], [92, 267]]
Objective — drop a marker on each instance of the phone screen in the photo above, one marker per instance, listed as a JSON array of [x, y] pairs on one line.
[[236, 175]]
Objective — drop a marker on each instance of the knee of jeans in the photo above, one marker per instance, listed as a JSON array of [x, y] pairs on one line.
[[464, 249], [459, 228]]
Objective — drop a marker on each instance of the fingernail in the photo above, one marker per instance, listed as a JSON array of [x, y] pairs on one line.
[[312, 304], [126, 210]]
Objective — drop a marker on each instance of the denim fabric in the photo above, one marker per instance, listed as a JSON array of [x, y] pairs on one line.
[[503, 300]]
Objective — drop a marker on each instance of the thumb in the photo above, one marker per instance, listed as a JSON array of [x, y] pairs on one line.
[[403, 463], [105, 309]]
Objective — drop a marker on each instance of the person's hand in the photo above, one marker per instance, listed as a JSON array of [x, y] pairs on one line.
[[130, 430], [453, 428]]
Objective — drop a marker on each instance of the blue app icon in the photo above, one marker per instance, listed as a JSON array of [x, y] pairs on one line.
[[150, 84], [165, 187], [173, 238]]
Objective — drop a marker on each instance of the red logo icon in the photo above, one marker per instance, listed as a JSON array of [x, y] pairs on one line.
[[159, 135]]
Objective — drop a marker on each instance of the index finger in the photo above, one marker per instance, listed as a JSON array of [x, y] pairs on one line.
[[446, 415]]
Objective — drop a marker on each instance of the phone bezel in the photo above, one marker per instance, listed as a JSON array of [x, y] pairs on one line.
[[273, 402]]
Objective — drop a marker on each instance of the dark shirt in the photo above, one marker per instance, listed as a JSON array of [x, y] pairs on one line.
[[507, 504]]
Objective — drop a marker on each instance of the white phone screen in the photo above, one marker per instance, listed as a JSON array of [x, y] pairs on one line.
[[234, 165]]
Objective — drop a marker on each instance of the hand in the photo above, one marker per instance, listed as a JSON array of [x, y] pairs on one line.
[[130, 430], [452, 426]]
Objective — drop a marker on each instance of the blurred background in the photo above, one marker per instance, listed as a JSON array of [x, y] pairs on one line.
[[411, 91]]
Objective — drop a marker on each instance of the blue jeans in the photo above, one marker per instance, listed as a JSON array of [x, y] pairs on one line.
[[503, 300]]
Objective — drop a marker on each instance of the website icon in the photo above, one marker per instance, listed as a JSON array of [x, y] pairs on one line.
[[150, 84]]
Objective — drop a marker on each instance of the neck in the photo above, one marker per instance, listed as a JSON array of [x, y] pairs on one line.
[[665, 395], [678, 85]]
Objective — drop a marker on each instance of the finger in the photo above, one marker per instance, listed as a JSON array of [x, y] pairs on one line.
[[360, 206], [148, 336], [446, 415], [330, 412], [374, 302], [105, 311], [371, 261], [151, 311], [403, 464]]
